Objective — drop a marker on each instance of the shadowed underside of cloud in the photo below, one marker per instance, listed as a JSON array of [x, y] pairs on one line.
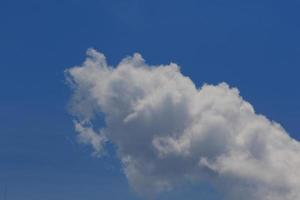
[[169, 132]]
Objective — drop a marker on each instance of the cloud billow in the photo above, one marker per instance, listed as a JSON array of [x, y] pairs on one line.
[[169, 132]]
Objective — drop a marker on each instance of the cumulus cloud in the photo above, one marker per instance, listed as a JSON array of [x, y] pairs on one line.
[[169, 132]]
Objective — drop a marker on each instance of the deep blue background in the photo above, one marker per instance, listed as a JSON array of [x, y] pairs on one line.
[[253, 45]]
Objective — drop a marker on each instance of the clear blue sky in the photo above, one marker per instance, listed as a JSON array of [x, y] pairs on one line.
[[253, 45]]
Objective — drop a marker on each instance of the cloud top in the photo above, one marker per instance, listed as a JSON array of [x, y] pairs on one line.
[[169, 132]]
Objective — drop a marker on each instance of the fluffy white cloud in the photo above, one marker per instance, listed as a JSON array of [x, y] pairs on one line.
[[168, 132]]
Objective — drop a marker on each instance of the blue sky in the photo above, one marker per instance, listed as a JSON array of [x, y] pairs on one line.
[[252, 45]]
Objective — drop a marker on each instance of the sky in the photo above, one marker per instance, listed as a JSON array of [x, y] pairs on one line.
[[251, 45]]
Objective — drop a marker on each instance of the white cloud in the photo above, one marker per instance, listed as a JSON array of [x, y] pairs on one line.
[[87, 135], [168, 132]]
